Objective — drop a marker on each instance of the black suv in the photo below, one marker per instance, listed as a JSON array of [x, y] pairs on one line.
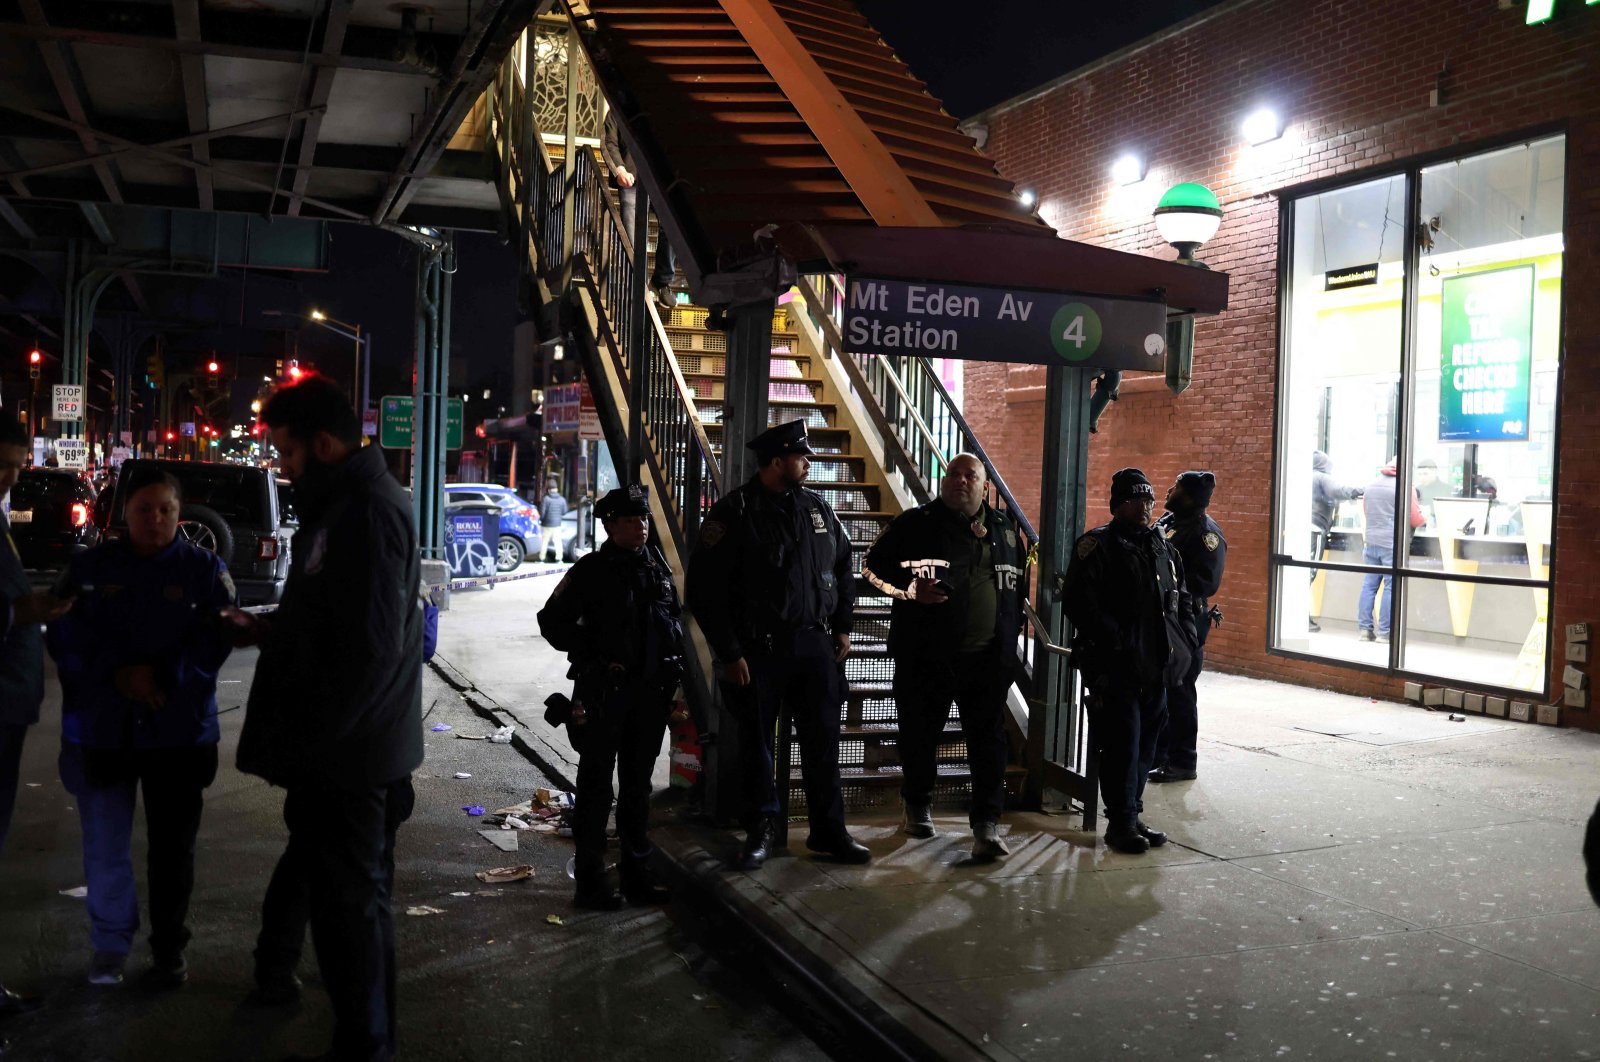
[[52, 517], [232, 510]]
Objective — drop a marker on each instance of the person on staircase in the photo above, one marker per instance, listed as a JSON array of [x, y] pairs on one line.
[[616, 616], [1132, 637], [952, 567], [771, 585], [1198, 540], [620, 161]]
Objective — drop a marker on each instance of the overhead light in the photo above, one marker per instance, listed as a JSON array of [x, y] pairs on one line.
[[1262, 125], [1027, 197], [318, 315], [1186, 217], [557, 353], [1129, 169], [485, 394]]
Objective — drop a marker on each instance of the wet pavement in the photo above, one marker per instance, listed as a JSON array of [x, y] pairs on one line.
[[1346, 879]]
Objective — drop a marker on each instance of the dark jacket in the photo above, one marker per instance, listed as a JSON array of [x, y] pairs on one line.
[[552, 507], [768, 565], [1204, 552], [1326, 492], [134, 610], [21, 644], [616, 606], [1131, 616], [337, 696], [614, 149], [1379, 505], [936, 542]]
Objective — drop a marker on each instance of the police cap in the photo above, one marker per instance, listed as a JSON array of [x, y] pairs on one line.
[[781, 440], [628, 500], [1129, 483]]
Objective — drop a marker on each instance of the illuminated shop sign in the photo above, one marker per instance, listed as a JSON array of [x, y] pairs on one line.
[[1354, 277], [1485, 360]]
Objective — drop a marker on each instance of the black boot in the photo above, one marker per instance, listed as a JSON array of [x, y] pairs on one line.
[[835, 840], [1123, 836], [639, 884], [594, 891], [759, 843], [1155, 838]]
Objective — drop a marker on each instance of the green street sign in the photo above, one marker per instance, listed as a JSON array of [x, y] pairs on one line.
[[397, 414], [1486, 355]]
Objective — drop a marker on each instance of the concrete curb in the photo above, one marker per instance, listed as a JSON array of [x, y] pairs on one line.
[[747, 918]]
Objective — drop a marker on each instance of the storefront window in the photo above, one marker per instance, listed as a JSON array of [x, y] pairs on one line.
[[1429, 461]]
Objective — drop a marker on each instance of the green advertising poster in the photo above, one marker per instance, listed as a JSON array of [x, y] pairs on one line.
[[1486, 355]]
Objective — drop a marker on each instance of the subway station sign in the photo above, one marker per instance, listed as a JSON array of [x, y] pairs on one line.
[[933, 320], [1486, 355]]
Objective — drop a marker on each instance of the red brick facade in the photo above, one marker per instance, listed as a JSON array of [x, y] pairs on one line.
[[1353, 81]]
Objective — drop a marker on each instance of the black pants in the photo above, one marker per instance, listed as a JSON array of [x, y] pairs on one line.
[[340, 866], [622, 732], [11, 737], [1177, 745], [802, 675], [1125, 724], [923, 690], [106, 784]]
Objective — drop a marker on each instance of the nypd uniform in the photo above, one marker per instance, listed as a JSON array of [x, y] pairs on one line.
[[157, 611], [770, 583], [1198, 540], [1131, 640], [616, 615]]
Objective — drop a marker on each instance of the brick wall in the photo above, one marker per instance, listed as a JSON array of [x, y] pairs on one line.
[[1353, 81]]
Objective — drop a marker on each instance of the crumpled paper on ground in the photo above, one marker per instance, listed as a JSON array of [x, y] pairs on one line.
[[499, 875]]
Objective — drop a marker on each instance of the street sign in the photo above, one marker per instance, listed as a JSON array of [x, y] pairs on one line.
[[588, 415], [369, 422], [186, 429], [69, 401], [563, 407], [397, 415], [72, 453], [934, 320]]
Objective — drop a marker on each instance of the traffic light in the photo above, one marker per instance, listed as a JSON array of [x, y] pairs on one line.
[[35, 356], [172, 436], [295, 372], [212, 367]]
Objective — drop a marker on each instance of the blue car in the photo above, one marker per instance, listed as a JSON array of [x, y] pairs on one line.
[[519, 520]]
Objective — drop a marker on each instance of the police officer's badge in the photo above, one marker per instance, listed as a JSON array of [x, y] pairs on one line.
[[712, 532], [817, 523], [1086, 546], [1011, 538], [1212, 541]]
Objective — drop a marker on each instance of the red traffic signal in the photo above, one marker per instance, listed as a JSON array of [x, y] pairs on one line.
[[213, 367], [35, 357], [171, 435]]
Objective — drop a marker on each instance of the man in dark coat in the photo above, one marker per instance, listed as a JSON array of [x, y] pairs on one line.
[[1132, 636], [1198, 540], [616, 616], [770, 583], [952, 567], [22, 611], [335, 711]]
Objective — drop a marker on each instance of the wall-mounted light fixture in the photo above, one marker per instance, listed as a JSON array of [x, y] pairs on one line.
[[1186, 217], [1261, 126], [1129, 169], [1027, 197]]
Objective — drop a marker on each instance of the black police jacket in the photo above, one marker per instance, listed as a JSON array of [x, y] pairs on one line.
[[337, 694], [934, 541], [768, 565], [616, 606], [1199, 541], [1131, 616], [21, 644]]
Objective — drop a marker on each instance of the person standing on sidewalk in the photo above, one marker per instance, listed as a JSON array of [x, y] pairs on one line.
[[1326, 494], [771, 585], [335, 712], [138, 658], [952, 567], [552, 510], [616, 616], [22, 610], [1131, 641], [1198, 540], [1380, 503]]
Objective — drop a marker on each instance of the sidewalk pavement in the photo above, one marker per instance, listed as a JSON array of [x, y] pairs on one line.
[[1347, 879]]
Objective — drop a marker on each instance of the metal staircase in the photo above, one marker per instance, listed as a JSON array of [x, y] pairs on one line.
[[883, 427]]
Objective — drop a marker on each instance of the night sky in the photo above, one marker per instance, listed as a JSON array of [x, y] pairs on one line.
[[973, 56]]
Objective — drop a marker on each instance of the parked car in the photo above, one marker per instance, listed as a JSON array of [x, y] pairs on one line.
[[520, 534], [52, 517], [232, 510]]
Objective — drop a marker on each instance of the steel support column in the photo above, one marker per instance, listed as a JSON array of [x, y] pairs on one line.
[[745, 380], [1056, 726], [434, 274]]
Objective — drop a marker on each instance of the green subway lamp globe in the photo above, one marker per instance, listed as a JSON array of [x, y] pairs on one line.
[[1188, 216]]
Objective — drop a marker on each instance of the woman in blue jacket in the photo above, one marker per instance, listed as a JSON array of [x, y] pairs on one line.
[[138, 657]]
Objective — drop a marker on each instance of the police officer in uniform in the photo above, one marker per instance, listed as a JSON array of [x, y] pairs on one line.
[[1198, 540], [952, 567], [616, 615], [771, 585], [1132, 637]]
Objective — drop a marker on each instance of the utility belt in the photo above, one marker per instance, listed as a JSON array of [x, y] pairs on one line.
[[765, 644]]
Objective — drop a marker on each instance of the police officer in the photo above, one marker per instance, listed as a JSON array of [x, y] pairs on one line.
[[616, 615], [138, 657], [1198, 540], [771, 585], [952, 567], [1132, 635]]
